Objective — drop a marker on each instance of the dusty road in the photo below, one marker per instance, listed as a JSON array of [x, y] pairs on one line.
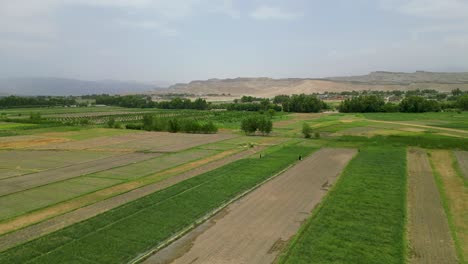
[[429, 233], [255, 228], [462, 157]]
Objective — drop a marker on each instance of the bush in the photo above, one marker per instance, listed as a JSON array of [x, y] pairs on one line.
[[134, 126], [250, 125], [111, 122], [462, 102], [306, 130], [303, 104], [317, 134], [418, 104], [363, 104]]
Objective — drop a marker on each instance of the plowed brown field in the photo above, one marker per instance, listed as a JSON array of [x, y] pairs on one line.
[[86, 211], [255, 228], [429, 233], [462, 157], [24, 182]]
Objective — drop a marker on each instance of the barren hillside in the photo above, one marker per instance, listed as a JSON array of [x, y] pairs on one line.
[[268, 87]]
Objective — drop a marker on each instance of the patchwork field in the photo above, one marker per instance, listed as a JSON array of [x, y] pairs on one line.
[[153, 218], [429, 232], [378, 188], [271, 214], [362, 220]]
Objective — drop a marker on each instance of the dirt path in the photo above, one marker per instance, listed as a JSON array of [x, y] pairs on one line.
[[429, 233], [184, 172], [21, 183], [462, 157], [256, 228], [456, 193], [421, 126]]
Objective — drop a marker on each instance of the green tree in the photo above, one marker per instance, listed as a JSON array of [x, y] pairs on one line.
[[462, 102], [111, 122], [306, 130]]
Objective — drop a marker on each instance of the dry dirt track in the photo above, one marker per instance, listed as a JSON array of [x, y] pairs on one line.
[[255, 228], [462, 157], [429, 233], [21, 183]]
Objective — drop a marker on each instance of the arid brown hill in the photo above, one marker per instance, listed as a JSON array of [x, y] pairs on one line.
[[268, 87]]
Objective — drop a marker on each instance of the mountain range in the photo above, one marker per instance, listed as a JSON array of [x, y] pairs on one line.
[[268, 87], [65, 87], [259, 86]]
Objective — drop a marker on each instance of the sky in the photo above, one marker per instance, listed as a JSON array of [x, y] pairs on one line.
[[183, 40]]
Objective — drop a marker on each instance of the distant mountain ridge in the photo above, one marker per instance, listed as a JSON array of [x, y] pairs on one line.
[[268, 87], [65, 87], [383, 77]]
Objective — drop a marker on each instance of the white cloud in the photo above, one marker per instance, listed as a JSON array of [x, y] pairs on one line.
[[36, 17], [25, 17], [161, 27], [440, 9], [269, 12]]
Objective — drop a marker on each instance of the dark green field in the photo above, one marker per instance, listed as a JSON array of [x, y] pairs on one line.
[[121, 234], [363, 218]]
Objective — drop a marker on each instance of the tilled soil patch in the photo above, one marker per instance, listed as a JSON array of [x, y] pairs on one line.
[[462, 157], [61, 221], [256, 228], [429, 233], [21, 183]]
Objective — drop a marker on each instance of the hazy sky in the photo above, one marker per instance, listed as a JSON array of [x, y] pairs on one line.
[[177, 41]]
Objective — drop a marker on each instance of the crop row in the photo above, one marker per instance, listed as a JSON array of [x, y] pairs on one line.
[[123, 233], [362, 219]]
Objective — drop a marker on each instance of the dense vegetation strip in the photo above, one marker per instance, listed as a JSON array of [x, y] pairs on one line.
[[122, 233], [362, 219]]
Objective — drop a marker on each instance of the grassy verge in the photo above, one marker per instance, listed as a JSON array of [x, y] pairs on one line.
[[124, 232], [362, 220], [428, 140], [450, 203]]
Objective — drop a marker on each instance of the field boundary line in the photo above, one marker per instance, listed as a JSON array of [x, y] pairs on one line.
[[203, 219], [421, 126], [143, 181], [284, 255], [445, 204], [3, 247]]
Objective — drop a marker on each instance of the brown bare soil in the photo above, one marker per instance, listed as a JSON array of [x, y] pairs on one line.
[[429, 233], [21, 183], [145, 141], [462, 158], [82, 208], [255, 228], [463, 132], [456, 193], [26, 142]]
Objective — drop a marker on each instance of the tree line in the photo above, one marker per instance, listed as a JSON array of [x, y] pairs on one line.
[[153, 122], [23, 101], [410, 104]]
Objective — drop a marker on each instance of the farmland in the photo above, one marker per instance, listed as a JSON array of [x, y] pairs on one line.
[[362, 220], [364, 188]]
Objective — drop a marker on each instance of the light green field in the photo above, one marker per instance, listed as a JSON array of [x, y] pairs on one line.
[[19, 162], [144, 168], [26, 201]]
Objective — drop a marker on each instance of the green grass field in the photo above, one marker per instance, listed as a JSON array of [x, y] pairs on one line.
[[124, 232], [19, 203], [362, 220]]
